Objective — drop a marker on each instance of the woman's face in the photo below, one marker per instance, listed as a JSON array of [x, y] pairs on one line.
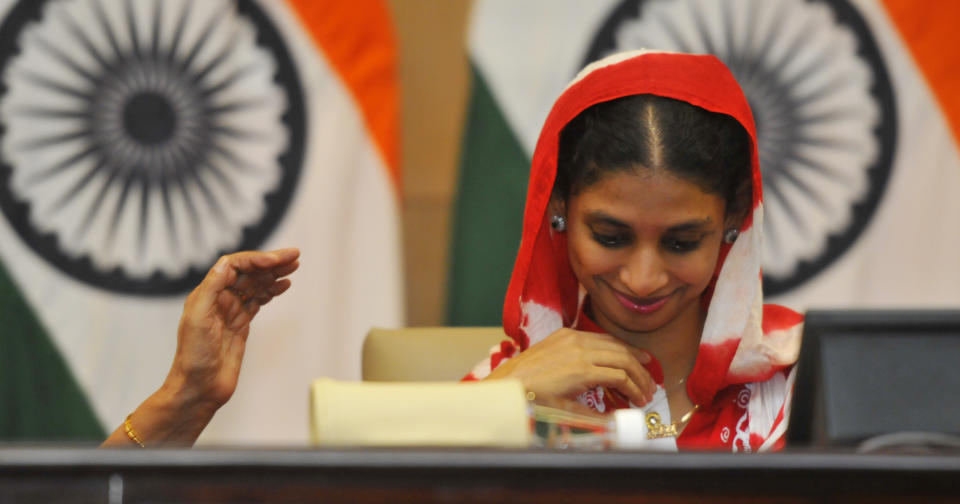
[[644, 244]]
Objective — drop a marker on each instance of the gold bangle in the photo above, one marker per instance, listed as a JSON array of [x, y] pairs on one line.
[[130, 433]]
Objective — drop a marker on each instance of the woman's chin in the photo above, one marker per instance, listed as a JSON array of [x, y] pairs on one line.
[[640, 323]]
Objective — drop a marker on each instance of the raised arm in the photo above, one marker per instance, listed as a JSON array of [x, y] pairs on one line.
[[211, 339]]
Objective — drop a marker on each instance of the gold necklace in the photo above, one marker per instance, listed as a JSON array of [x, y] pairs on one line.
[[656, 429]]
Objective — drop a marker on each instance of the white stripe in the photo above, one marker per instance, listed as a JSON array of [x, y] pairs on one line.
[[528, 51], [539, 321], [735, 307], [787, 399], [613, 59], [345, 222]]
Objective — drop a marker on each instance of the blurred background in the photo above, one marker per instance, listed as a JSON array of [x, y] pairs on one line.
[[389, 140]]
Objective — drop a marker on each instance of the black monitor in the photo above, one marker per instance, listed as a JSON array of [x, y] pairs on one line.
[[870, 375]]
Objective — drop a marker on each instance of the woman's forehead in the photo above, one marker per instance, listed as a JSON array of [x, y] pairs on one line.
[[653, 197]]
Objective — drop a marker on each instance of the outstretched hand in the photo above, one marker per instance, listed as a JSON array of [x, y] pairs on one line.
[[216, 319]]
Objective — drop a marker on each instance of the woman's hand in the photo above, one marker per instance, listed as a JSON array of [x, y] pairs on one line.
[[211, 339], [216, 321], [568, 363]]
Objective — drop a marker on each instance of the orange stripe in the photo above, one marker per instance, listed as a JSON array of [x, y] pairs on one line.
[[357, 36], [929, 29]]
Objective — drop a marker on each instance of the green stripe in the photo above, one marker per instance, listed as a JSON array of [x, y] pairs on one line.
[[488, 217], [39, 399]]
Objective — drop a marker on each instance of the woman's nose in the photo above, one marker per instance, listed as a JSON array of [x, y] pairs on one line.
[[645, 272]]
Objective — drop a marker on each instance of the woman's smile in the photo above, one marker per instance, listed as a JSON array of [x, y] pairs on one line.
[[635, 304]]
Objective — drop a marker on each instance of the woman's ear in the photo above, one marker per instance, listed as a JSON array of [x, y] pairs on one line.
[[556, 207], [739, 208], [557, 213], [731, 225], [733, 221]]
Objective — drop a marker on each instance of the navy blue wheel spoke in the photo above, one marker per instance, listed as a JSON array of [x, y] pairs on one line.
[[132, 27], [53, 140], [236, 106], [45, 112], [223, 179], [238, 133], [168, 213], [178, 33], [104, 22], [209, 198], [191, 208], [155, 30], [751, 31], [214, 62], [830, 116], [234, 160], [756, 62], [803, 186], [228, 81], [199, 44], [94, 209], [144, 212], [68, 196], [84, 40], [825, 142], [56, 86], [803, 162], [702, 31], [796, 45], [820, 92], [733, 53], [674, 33], [60, 167], [67, 61]]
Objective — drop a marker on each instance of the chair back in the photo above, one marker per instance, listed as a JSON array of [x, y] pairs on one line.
[[426, 353]]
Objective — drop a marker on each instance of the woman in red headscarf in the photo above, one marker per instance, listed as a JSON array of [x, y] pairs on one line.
[[637, 283]]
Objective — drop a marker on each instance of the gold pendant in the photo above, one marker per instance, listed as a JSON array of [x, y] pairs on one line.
[[656, 429]]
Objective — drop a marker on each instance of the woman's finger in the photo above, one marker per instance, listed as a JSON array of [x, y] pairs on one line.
[[620, 380], [279, 287], [244, 285], [266, 260], [252, 267], [285, 269], [627, 362], [598, 341], [218, 278], [253, 285]]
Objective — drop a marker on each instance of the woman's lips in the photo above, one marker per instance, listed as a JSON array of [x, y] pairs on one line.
[[647, 305]]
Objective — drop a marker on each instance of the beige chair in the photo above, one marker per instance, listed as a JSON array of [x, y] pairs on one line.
[[426, 353]]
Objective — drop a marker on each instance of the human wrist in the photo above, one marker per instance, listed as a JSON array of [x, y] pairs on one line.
[[180, 396]]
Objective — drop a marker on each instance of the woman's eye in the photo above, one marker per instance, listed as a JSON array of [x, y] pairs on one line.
[[681, 246], [610, 241]]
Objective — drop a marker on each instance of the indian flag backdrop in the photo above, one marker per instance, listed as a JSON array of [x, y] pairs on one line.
[[857, 116], [140, 140]]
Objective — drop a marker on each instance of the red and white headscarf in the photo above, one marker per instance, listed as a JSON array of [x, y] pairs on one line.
[[743, 375]]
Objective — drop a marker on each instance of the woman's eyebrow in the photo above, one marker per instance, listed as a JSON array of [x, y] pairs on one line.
[[600, 217], [691, 225]]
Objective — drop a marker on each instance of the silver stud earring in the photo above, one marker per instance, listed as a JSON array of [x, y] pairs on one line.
[[558, 223], [731, 235]]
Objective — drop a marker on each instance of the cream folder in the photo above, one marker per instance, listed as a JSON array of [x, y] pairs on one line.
[[490, 413]]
